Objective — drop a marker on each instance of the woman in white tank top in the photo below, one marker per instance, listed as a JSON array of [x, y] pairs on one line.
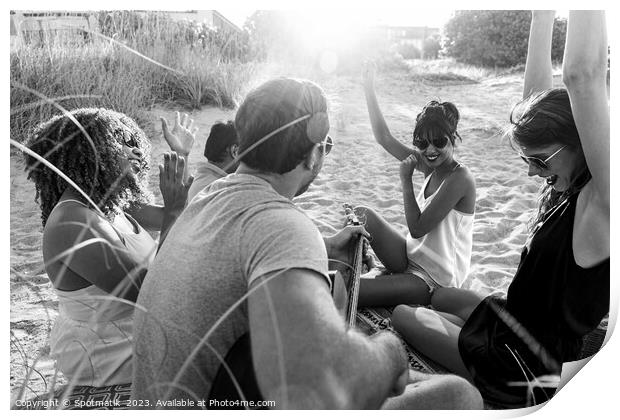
[[436, 250], [95, 253]]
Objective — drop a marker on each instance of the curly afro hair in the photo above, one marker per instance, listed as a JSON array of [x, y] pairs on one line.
[[93, 162]]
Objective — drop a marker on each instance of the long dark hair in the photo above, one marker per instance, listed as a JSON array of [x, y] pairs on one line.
[[543, 119], [97, 171]]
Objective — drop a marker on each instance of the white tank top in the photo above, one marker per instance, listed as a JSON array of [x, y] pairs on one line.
[[444, 252], [92, 336]]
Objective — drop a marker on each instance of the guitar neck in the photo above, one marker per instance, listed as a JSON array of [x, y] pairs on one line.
[[354, 282]]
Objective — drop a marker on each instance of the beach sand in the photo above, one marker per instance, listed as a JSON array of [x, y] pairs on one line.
[[357, 171]]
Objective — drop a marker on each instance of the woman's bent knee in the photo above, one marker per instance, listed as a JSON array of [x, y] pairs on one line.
[[402, 315], [438, 392], [365, 214], [461, 394], [441, 295], [407, 318], [459, 302]]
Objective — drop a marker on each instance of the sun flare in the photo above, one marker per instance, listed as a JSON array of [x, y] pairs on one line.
[[338, 34], [334, 30]]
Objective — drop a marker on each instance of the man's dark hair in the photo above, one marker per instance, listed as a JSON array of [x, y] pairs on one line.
[[222, 136], [270, 107]]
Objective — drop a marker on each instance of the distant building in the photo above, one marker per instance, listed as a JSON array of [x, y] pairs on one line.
[[414, 35], [212, 18], [36, 25]]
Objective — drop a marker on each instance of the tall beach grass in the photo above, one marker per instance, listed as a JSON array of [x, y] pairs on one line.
[[99, 70]]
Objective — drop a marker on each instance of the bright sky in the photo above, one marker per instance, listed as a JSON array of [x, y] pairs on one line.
[[338, 28], [388, 12], [369, 16]]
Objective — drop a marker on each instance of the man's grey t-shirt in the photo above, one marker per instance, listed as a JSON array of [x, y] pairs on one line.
[[206, 173], [232, 233]]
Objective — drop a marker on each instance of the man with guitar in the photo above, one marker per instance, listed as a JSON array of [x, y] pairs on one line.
[[238, 304]]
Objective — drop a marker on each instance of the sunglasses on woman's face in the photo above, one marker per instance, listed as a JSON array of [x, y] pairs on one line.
[[131, 143], [439, 143], [326, 145], [538, 162]]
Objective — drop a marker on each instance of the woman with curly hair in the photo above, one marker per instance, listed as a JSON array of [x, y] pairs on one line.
[[95, 253], [560, 291], [436, 251]]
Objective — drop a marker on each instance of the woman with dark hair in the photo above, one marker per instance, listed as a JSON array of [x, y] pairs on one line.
[[436, 251], [95, 253], [560, 291]]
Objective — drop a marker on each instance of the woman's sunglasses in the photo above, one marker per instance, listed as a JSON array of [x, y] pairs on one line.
[[326, 145], [422, 144], [538, 162], [131, 143]]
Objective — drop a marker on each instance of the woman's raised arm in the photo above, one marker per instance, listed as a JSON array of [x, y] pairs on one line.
[[538, 69], [379, 127], [585, 76]]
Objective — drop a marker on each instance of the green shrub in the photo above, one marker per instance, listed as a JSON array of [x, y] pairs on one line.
[[431, 47], [559, 40], [392, 61], [495, 38], [409, 51]]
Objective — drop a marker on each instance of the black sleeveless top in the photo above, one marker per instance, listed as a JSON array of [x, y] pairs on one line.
[[551, 304]]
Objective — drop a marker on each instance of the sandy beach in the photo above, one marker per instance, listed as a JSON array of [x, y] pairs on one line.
[[357, 171]]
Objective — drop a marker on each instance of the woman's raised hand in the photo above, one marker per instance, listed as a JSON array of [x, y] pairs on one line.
[[368, 74], [408, 165], [171, 184], [183, 134]]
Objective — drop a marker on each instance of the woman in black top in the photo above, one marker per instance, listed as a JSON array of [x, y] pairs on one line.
[[561, 289]]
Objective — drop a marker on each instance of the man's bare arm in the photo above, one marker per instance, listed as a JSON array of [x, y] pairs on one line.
[[303, 355]]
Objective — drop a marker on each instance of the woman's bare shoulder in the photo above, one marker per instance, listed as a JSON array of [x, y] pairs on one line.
[[70, 220], [462, 177], [67, 212]]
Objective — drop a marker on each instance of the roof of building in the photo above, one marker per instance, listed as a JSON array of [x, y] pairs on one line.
[[412, 31]]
